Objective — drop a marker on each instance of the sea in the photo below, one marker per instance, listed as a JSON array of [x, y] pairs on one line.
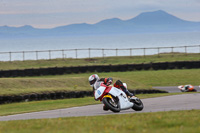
[[36, 48]]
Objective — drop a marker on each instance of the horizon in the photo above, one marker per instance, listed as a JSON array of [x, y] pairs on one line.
[[54, 13]]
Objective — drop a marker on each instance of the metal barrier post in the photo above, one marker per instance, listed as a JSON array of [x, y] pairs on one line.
[[23, 56], [130, 52], [158, 52], [63, 56], [36, 55], [76, 53], [89, 52], [103, 53], [199, 49], [10, 56], [186, 50], [49, 54]]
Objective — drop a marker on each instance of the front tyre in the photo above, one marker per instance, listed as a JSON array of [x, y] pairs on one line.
[[111, 104], [138, 105]]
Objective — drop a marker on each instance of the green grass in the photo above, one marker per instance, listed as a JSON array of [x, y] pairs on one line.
[[29, 85], [76, 82], [166, 122], [98, 61], [25, 107], [173, 121]]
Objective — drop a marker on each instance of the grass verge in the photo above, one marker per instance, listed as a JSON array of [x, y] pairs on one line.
[[76, 82], [25, 107], [165, 57], [171, 122]]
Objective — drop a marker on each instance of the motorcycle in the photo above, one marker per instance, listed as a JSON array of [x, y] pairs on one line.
[[187, 88], [116, 100]]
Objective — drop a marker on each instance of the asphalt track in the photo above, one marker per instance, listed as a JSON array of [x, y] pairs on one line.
[[173, 89], [167, 103]]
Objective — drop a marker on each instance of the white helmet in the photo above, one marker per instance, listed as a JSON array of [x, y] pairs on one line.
[[92, 79]]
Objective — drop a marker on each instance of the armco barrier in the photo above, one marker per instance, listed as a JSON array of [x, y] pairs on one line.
[[100, 68], [59, 95]]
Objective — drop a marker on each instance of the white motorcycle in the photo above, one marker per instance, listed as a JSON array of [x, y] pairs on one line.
[[115, 99]]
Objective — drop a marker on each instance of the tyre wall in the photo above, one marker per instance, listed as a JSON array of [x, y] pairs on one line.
[[59, 95], [100, 68]]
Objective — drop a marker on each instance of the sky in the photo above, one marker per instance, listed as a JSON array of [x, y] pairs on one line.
[[53, 13]]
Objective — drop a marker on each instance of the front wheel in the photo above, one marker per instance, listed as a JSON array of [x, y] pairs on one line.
[[138, 105], [112, 104]]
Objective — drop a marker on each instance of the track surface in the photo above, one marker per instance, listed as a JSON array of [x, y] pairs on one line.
[[172, 89], [167, 103]]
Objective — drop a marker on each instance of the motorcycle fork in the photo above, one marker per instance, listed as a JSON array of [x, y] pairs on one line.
[[109, 96]]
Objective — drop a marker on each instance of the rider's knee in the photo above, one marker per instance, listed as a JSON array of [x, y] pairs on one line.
[[118, 84]]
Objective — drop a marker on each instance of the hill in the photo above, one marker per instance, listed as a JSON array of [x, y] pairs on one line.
[[147, 22]]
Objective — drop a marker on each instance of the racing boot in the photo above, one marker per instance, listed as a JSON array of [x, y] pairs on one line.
[[128, 93], [119, 84]]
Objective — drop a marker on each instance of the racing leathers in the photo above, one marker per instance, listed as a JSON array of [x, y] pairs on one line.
[[118, 84]]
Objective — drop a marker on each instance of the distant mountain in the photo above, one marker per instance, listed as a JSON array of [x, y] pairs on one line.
[[147, 22], [153, 18]]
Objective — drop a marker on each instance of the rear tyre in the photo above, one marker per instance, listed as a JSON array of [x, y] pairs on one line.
[[113, 106], [194, 90], [138, 105]]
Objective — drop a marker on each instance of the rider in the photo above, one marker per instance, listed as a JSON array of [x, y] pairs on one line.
[[188, 87], [108, 81]]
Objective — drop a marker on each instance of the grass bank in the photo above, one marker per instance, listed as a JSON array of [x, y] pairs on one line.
[[167, 57], [171, 122], [76, 82]]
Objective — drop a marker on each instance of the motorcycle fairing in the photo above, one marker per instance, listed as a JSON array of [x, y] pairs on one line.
[[124, 103], [99, 92]]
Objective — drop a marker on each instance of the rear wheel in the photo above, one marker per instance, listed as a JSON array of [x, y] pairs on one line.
[[112, 104], [194, 90], [138, 105]]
